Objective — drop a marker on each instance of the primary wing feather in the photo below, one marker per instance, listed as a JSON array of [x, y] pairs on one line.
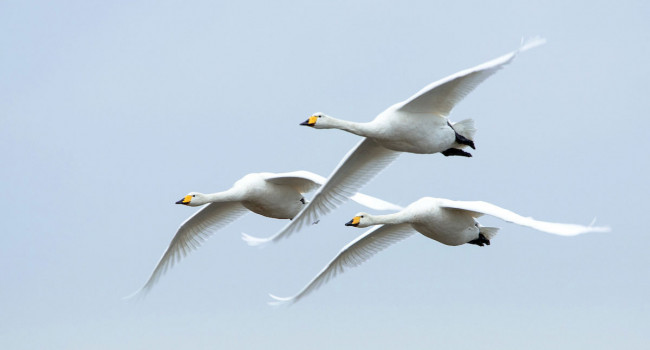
[[354, 254], [441, 96], [193, 232], [507, 215], [358, 167]]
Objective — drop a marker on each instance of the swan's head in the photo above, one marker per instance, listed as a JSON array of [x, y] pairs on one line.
[[360, 220], [318, 121], [193, 199]]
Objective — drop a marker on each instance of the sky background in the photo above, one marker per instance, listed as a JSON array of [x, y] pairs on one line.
[[112, 111]]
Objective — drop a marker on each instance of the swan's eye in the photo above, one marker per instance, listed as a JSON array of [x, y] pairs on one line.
[[361, 216], [193, 195]]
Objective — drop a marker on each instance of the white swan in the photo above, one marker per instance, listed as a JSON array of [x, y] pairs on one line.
[[272, 195], [417, 125], [446, 221]]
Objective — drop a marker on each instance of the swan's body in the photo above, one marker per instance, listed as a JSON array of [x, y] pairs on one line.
[[400, 131], [278, 196], [267, 198], [416, 125], [449, 222]]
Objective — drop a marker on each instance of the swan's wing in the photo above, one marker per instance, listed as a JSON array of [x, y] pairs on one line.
[[374, 202], [354, 254], [305, 181], [192, 233], [359, 166], [441, 96], [507, 215]]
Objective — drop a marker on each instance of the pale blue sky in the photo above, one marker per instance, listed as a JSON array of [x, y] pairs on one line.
[[111, 111]]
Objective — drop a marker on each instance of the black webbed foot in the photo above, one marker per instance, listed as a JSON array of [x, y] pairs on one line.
[[461, 139], [464, 140], [455, 152], [480, 241]]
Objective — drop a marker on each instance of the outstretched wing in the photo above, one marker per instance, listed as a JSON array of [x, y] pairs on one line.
[[507, 215], [441, 96], [305, 181], [192, 233], [358, 167], [354, 254]]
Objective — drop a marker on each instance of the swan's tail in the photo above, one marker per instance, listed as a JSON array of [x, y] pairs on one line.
[[465, 128], [488, 232]]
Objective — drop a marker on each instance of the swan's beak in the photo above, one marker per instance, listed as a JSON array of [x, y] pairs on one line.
[[354, 222], [310, 122], [186, 200]]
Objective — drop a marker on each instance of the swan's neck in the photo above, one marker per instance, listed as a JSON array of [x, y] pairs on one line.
[[391, 219], [225, 196], [361, 129]]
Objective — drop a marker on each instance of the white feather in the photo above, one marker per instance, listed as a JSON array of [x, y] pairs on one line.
[[509, 216], [450, 222], [272, 195], [353, 254], [358, 167]]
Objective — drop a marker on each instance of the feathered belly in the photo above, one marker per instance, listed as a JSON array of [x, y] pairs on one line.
[[420, 141], [283, 203], [449, 229], [276, 211]]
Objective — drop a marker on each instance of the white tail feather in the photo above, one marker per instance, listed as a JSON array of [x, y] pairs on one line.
[[488, 232], [465, 128]]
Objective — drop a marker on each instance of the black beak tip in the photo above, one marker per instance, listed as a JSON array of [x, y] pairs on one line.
[[349, 223], [180, 202], [306, 122]]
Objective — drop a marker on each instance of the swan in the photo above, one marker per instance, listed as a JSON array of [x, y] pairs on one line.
[[278, 196], [446, 221], [417, 125]]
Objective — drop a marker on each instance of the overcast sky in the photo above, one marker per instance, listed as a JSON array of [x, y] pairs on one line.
[[112, 111]]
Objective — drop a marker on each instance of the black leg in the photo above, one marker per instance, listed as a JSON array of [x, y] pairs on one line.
[[462, 139], [455, 152]]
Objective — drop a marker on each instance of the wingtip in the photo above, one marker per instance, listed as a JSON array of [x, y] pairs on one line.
[[600, 228], [593, 228], [527, 44], [588, 229], [280, 301], [254, 241], [137, 295]]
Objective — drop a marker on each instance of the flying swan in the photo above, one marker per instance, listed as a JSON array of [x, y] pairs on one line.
[[278, 196], [446, 221], [417, 125]]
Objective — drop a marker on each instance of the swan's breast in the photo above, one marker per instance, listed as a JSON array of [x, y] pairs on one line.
[[274, 201], [447, 226]]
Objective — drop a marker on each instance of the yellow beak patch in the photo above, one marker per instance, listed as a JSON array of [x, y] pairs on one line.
[[355, 220], [187, 199], [312, 120]]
